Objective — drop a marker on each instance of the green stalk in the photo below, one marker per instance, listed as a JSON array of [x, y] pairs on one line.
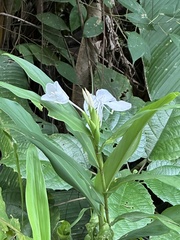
[[103, 209]]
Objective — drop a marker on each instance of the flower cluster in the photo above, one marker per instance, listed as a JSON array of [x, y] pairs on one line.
[[102, 99]]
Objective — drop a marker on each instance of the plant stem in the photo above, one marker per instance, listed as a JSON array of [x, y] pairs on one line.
[[103, 209]]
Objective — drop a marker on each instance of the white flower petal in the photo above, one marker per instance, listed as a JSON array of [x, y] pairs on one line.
[[104, 96], [54, 93], [119, 105]]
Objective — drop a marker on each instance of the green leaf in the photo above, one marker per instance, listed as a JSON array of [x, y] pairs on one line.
[[52, 20], [176, 39], [32, 71], [169, 220], [140, 20], [71, 205], [79, 216], [131, 134], [138, 47], [162, 72], [109, 3], [93, 27], [75, 125], [171, 10], [23, 93], [172, 181], [133, 6], [67, 71], [163, 142], [55, 37], [64, 230], [63, 164], [120, 203], [170, 235], [74, 17], [162, 189], [9, 226], [136, 216], [117, 84], [24, 50], [60, 112], [44, 55], [36, 197]]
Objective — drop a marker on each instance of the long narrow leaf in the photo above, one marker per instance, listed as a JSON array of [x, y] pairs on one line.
[[36, 197], [23, 93], [63, 164], [75, 125], [67, 114], [32, 71], [130, 140]]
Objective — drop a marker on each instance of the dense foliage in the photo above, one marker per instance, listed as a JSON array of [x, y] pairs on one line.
[[73, 173]]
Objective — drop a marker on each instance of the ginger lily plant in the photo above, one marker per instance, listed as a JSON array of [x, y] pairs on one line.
[[97, 188], [93, 106]]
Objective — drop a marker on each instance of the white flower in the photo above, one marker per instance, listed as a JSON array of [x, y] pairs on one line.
[[54, 93], [104, 98]]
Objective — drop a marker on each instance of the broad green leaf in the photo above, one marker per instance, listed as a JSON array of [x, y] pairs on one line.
[[131, 131], [44, 55], [74, 17], [138, 47], [163, 189], [32, 71], [36, 197], [133, 6], [55, 37], [157, 227], [176, 39], [63, 164], [170, 235], [162, 72], [163, 142], [24, 50], [149, 109], [52, 20], [93, 27], [67, 71], [137, 216], [140, 20], [171, 10], [117, 84], [120, 202]]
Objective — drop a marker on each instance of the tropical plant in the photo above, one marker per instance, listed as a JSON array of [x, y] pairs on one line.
[[120, 201], [102, 190]]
